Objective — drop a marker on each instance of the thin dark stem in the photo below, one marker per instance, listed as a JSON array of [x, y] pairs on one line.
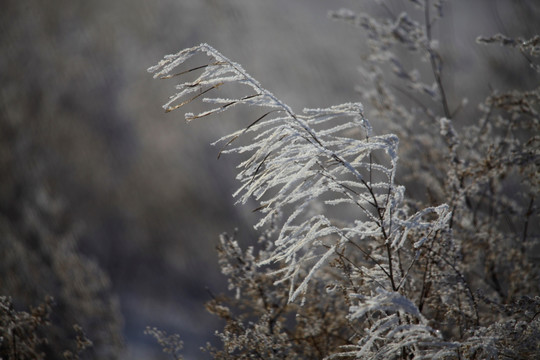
[[425, 285], [380, 212], [390, 267], [436, 62]]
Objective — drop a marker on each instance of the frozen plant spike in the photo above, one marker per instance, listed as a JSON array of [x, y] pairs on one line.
[[298, 165]]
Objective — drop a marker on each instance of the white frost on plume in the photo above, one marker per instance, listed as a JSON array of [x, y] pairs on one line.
[[298, 164]]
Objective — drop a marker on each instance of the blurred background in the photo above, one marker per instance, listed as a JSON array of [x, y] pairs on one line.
[[97, 182]]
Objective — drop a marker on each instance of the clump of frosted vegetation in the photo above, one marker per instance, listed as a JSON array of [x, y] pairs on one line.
[[347, 266]]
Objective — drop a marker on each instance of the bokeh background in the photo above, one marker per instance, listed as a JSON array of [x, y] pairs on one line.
[[141, 193]]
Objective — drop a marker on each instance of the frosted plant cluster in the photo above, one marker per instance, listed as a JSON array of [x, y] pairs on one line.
[[347, 265]]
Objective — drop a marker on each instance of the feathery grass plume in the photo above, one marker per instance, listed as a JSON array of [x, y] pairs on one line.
[[298, 160]]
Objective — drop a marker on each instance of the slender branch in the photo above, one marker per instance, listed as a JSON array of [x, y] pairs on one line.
[[380, 212], [436, 62], [390, 267]]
